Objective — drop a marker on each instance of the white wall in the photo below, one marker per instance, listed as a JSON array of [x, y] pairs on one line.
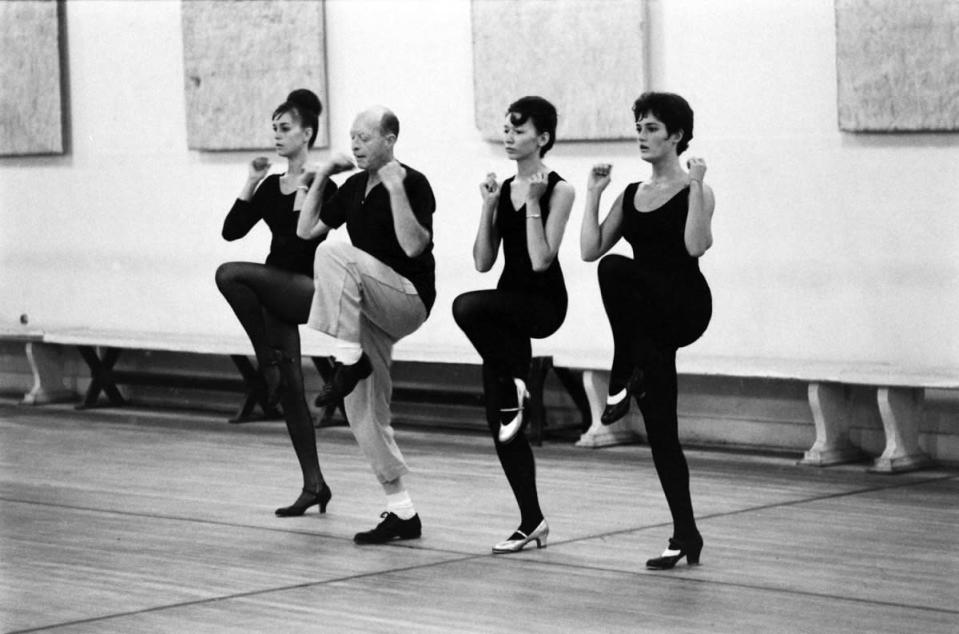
[[828, 245]]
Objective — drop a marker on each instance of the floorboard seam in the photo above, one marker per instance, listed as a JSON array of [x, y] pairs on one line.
[[244, 595], [733, 584], [763, 507], [506, 561], [574, 540]]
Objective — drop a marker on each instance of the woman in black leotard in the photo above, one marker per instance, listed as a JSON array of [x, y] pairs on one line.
[[271, 299], [528, 213], [658, 301]]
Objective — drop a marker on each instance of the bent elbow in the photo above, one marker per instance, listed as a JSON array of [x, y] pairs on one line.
[[541, 265], [415, 251], [588, 254], [230, 233], [698, 250]]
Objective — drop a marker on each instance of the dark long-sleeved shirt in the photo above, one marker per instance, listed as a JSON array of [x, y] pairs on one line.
[[269, 204]]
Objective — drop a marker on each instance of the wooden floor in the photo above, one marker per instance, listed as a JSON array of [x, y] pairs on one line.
[[147, 521]]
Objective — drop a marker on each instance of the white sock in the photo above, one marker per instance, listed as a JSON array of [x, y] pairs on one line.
[[347, 352], [401, 504]]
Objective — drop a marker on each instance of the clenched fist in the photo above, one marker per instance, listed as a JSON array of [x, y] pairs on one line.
[[697, 168], [489, 190], [339, 163], [599, 177], [392, 175], [537, 186], [259, 168]]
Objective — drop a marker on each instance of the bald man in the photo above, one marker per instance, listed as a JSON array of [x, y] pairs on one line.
[[372, 293]]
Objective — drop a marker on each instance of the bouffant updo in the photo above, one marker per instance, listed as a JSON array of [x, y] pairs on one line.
[[304, 106]]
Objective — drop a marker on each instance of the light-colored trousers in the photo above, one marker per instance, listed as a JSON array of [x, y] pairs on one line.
[[362, 300]]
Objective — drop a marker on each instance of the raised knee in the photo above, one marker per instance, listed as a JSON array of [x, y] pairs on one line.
[[334, 249], [226, 274], [611, 265], [330, 256], [465, 309]]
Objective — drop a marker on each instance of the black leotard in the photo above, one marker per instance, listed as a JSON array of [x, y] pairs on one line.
[[658, 236], [518, 273]]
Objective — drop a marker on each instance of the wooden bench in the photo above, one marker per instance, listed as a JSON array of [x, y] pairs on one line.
[[542, 365], [101, 349], [899, 396]]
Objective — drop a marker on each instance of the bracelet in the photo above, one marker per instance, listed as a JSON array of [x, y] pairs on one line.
[[695, 180], [305, 188], [528, 216]]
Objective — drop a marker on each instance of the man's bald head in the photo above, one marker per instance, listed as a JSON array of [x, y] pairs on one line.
[[373, 134], [381, 118]]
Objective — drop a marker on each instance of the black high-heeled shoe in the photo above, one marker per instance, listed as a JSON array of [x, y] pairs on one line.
[[634, 388], [676, 551], [306, 500]]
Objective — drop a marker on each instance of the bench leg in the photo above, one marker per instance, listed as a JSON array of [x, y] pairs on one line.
[[46, 364], [101, 376], [539, 368], [596, 386], [901, 410], [829, 403], [255, 393], [572, 381]]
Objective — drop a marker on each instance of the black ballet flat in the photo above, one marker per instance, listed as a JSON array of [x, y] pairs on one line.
[[676, 551], [306, 500], [634, 388], [343, 381]]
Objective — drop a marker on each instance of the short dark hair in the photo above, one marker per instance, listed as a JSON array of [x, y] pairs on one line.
[[305, 106], [389, 124], [672, 110], [540, 112]]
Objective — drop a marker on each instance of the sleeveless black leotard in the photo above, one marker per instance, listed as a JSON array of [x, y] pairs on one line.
[[518, 273], [657, 302], [671, 274]]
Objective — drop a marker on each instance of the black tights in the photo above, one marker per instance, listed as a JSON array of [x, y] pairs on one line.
[[652, 314], [270, 303], [500, 324]]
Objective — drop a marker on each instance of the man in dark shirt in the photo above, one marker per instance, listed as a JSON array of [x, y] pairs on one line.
[[371, 293]]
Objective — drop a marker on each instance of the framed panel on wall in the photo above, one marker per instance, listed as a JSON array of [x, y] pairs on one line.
[[31, 108], [897, 65], [588, 58], [240, 61]]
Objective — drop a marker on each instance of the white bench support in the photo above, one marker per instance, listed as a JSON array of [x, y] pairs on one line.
[[46, 364], [599, 435], [829, 403], [901, 410]]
